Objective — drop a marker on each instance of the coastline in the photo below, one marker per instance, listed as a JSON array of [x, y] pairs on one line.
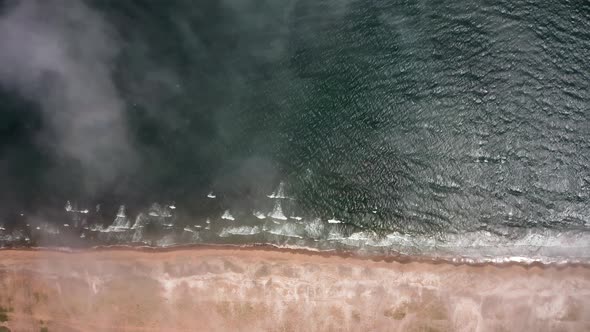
[[352, 254], [218, 288]]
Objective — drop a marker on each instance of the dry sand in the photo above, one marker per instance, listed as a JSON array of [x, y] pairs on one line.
[[276, 290]]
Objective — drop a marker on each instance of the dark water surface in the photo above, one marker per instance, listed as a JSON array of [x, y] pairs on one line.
[[453, 127]]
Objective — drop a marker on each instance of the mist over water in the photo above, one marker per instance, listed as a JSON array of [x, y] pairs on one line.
[[448, 128], [61, 60]]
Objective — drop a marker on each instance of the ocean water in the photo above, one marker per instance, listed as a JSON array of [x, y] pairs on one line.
[[447, 129]]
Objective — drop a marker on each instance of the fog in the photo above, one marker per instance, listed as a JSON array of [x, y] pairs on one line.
[[62, 58]]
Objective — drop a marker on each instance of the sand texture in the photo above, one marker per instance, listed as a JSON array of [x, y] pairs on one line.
[[271, 290]]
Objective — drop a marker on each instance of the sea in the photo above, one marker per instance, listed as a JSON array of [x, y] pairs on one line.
[[456, 130]]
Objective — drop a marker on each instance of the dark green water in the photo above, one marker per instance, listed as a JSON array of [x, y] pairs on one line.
[[452, 121]]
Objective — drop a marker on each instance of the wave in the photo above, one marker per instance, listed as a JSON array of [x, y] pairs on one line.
[[287, 229], [506, 245], [259, 215], [240, 230], [532, 246], [280, 192], [227, 216], [277, 212]]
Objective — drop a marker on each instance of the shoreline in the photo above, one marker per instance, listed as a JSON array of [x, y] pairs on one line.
[[349, 254]]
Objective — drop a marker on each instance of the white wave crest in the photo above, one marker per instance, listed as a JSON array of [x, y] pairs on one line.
[[240, 230], [227, 216], [259, 215], [280, 192], [277, 212]]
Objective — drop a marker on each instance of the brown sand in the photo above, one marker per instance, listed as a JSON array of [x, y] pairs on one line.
[[266, 290]]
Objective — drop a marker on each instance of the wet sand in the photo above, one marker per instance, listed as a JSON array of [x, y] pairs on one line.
[[226, 289]]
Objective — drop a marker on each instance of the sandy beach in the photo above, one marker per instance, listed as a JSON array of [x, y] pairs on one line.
[[225, 289]]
